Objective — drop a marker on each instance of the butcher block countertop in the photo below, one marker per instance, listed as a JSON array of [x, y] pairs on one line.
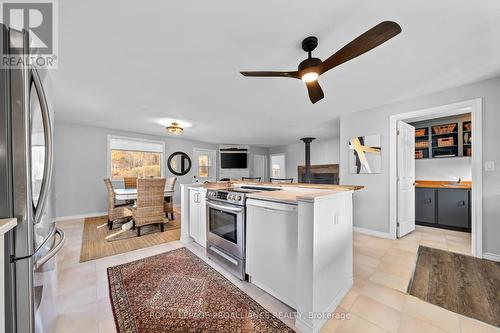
[[7, 224], [292, 196], [223, 185], [290, 192], [467, 185]]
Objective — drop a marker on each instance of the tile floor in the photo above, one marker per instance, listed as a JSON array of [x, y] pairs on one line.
[[376, 303]]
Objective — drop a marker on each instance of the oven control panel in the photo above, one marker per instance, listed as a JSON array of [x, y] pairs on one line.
[[226, 196]]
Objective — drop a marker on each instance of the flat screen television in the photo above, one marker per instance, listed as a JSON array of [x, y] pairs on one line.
[[233, 160]]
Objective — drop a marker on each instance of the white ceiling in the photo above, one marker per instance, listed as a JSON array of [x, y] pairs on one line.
[[128, 64]]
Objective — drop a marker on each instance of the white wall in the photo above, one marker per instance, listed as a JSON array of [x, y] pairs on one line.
[[449, 169], [81, 162], [371, 205], [323, 151]]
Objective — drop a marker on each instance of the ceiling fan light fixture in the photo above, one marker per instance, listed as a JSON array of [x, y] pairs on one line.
[[175, 129], [310, 77]]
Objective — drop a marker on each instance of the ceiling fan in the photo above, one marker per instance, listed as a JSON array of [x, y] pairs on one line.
[[310, 69]]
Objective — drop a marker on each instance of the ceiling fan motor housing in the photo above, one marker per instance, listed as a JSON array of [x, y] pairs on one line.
[[309, 62]]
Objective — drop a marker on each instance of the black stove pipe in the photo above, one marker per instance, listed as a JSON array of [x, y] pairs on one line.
[[307, 176]]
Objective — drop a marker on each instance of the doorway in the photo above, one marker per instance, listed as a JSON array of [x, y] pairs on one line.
[[278, 168], [204, 165], [259, 166], [474, 107]]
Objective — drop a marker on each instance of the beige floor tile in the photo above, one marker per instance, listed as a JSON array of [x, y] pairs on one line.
[[356, 324], [363, 271], [334, 322], [404, 271], [77, 298], [469, 325], [105, 309], [371, 251], [413, 325], [106, 262], [390, 280], [363, 260], [349, 299], [79, 320], [388, 296], [103, 290], [107, 326], [432, 314], [377, 313]]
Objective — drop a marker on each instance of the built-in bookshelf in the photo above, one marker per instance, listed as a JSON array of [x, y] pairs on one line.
[[443, 138]]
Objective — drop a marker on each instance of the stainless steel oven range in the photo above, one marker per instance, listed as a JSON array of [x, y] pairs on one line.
[[226, 230], [226, 227]]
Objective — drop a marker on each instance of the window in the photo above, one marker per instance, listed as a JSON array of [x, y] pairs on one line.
[[276, 171], [278, 165], [203, 165], [128, 157]]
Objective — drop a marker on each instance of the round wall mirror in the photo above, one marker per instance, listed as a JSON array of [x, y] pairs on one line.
[[179, 163]]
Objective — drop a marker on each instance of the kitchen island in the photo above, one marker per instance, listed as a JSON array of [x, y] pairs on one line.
[[298, 244]]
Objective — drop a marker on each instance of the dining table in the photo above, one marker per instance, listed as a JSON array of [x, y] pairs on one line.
[[131, 193]]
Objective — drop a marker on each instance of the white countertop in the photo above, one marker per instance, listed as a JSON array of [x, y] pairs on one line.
[[7, 224]]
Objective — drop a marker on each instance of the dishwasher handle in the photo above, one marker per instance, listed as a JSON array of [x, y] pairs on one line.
[[272, 206]]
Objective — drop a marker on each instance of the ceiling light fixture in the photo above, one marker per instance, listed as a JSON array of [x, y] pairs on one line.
[[310, 77], [174, 128]]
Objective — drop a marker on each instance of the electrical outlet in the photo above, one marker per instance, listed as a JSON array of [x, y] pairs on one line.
[[489, 166]]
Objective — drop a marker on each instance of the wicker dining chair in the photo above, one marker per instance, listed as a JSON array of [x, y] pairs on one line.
[[251, 179], [149, 205], [281, 180], [130, 182], [116, 211], [169, 201]]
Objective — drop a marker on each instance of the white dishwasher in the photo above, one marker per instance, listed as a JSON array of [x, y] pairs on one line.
[[271, 248]]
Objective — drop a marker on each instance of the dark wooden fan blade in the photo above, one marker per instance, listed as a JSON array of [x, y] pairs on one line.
[[374, 37], [315, 91], [271, 74]]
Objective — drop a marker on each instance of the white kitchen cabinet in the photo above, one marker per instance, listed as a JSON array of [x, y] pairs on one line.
[[271, 248], [197, 215]]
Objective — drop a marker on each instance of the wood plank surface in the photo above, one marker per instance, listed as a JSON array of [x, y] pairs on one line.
[[459, 283]]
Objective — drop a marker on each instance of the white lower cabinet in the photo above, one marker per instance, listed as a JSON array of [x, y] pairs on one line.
[[271, 248], [197, 216]]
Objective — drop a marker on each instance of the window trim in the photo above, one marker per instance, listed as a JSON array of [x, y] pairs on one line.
[[141, 140]]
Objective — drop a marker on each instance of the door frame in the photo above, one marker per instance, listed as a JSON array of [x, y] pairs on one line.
[[195, 162], [474, 106], [264, 177]]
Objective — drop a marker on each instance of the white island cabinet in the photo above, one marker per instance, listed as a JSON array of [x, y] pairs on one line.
[[299, 249], [272, 248], [197, 215]]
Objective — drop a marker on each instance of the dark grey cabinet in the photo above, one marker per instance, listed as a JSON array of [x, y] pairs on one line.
[[453, 208], [425, 205], [445, 208]]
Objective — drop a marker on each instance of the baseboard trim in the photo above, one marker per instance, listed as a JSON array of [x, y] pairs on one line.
[[317, 324], [491, 256], [80, 216], [373, 232]]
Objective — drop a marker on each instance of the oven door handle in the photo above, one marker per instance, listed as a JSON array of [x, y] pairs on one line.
[[224, 207]]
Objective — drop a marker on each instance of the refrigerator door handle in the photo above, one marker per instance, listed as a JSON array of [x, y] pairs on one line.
[[54, 250], [48, 136]]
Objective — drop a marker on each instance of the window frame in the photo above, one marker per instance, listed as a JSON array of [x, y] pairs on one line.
[[136, 141]]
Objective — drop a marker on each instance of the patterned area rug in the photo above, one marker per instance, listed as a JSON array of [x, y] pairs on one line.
[[178, 292], [459, 283]]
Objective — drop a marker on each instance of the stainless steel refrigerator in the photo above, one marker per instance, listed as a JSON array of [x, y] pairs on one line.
[[26, 192]]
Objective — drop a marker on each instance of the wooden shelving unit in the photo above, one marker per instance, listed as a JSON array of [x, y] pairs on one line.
[[446, 139]]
